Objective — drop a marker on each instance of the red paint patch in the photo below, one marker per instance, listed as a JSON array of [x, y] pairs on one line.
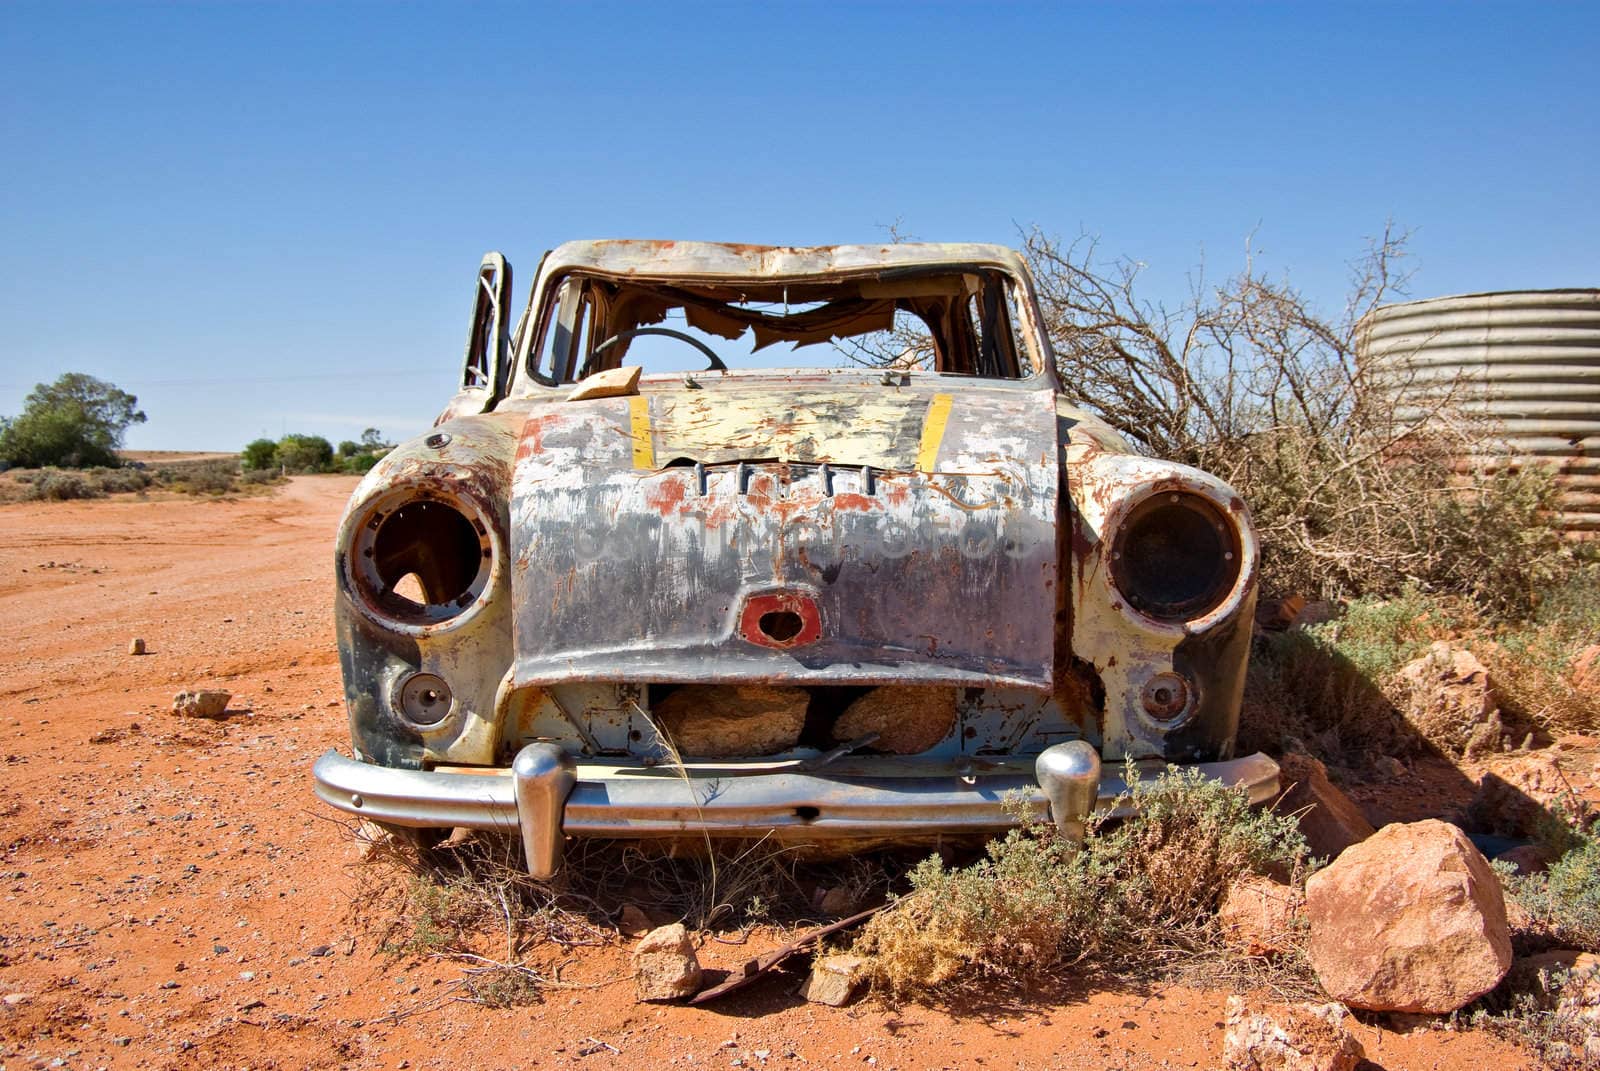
[[533, 434], [666, 495], [762, 616], [853, 502]]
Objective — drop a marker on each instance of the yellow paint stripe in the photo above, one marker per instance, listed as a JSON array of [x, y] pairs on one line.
[[933, 432], [644, 450]]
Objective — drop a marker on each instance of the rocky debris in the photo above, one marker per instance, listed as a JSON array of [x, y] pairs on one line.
[[202, 703], [1525, 859], [1329, 820], [1564, 978], [1520, 795], [1585, 674], [665, 966], [908, 721], [1258, 915], [1449, 699], [136, 646], [1289, 1037], [1411, 919], [734, 720], [633, 921], [834, 980]]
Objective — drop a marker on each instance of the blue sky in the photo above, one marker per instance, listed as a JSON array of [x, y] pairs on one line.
[[267, 218]]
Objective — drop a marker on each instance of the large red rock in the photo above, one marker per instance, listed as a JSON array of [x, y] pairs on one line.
[[1411, 919], [1329, 820], [1449, 699], [1289, 1037]]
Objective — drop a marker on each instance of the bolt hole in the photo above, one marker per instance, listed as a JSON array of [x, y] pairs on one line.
[[780, 626], [1163, 696], [807, 814]]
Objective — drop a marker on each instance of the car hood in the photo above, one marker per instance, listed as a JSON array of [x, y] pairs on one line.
[[917, 521]]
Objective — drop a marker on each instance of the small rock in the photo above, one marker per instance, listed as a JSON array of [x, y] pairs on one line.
[[1289, 1037], [1329, 819], [1278, 615], [13, 999], [1411, 919], [1585, 674], [136, 646], [1258, 915], [665, 966], [1521, 795], [1390, 767], [735, 720], [203, 703], [1526, 858], [1451, 701], [837, 901], [835, 980], [634, 921], [321, 950]]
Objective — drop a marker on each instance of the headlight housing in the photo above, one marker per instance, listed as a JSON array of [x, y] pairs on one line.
[[1176, 556], [419, 560]]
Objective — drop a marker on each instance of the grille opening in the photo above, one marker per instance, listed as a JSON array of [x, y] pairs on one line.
[[426, 554], [780, 626]]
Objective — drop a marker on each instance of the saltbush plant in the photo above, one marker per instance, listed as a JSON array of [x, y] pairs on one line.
[[1037, 901]]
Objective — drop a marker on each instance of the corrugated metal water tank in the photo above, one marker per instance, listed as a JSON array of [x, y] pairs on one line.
[[1529, 361]]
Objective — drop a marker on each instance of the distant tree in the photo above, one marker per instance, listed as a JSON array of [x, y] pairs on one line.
[[347, 448], [305, 453], [76, 422], [259, 454], [372, 440]]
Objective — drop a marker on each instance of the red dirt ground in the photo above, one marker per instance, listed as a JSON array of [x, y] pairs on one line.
[[175, 897]]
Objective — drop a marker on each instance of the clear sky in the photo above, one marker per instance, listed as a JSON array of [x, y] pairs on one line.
[[267, 218]]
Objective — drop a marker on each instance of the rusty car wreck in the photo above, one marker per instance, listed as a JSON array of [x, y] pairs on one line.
[[836, 605]]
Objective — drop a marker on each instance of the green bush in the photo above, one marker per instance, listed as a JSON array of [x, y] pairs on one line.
[[1153, 881], [305, 453], [1564, 901], [259, 455]]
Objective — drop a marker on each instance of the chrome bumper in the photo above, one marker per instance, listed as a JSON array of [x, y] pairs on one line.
[[546, 796]]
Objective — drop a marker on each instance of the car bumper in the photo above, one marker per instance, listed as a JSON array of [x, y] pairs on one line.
[[545, 796]]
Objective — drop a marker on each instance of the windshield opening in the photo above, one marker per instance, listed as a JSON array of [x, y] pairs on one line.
[[961, 322]]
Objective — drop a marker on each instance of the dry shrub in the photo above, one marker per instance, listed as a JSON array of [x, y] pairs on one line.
[[1133, 894], [1352, 494]]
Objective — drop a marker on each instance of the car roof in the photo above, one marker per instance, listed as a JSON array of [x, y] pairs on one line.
[[723, 260]]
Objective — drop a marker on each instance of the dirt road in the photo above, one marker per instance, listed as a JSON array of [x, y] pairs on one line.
[[175, 897]]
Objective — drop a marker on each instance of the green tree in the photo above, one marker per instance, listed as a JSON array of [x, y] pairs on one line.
[[259, 454], [349, 448], [76, 422], [305, 453], [372, 440]]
